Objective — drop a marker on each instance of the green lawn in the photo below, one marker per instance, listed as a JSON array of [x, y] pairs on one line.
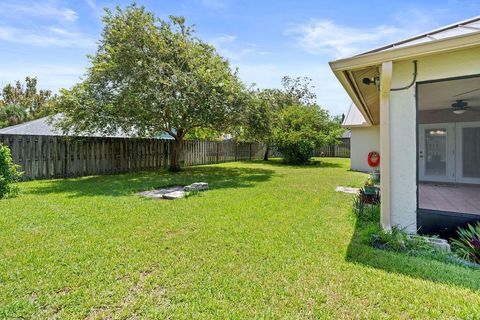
[[266, 241]]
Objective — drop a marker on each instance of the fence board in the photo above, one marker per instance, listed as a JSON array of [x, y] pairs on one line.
[[58, 157]]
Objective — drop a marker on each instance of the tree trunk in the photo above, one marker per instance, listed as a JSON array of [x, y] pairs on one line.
[[175, 154], [267, 151]]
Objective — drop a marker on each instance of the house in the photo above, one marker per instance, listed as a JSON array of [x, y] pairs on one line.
[[364, 138], [44, 127], [422, 96]]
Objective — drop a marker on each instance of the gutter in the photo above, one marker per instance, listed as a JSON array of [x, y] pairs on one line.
[[402, 53]]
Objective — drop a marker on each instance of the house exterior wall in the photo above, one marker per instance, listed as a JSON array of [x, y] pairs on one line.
[[363, 141], [403, 141]]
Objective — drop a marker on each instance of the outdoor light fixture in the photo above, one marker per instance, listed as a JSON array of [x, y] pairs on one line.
[[375, 80]]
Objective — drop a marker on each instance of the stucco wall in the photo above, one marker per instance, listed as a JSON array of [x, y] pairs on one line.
[[363, 141], [403, 125]]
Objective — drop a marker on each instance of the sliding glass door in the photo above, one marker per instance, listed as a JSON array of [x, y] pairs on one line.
[[449, 152], [436, 152], [468, 152]]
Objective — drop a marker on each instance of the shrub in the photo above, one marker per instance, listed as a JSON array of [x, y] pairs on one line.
[[399, 240], [301, 129], [9, 173], [367, 208], [12, 114], [467, 246]]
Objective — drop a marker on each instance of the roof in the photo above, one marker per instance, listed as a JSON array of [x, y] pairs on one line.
[[347, 134], [354, 118], [44, 127], [463, 34], [39, 127], [464, 27], [351, 71]]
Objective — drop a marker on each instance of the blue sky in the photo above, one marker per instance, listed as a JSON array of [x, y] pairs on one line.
[[264, 39]]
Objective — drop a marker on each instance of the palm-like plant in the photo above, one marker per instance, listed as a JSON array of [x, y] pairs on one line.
[[12, 114], [468, 243]]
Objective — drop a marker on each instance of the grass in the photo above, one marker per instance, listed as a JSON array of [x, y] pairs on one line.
[[266, 241]]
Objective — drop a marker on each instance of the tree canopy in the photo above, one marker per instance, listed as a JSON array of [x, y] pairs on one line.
[[289, 118], [20, 103], [301, 129], [150, 75]]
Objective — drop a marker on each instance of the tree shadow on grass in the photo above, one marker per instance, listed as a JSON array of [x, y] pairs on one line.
[[124, 184], [426, 268]]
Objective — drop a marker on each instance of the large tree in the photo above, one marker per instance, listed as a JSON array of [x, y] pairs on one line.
[[148, 76], [266, 105]]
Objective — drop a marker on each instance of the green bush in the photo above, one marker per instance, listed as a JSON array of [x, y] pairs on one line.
[[301, 129], [399, 240], [467, 246], [9, 173]]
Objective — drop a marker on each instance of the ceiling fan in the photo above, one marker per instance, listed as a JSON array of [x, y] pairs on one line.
[[461, 106], [466, 92]]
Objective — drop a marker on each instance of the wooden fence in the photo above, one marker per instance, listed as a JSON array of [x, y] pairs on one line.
[[43, 157], [341, 150]]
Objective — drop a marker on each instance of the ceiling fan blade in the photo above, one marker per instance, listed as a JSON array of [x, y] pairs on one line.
[[439, 110], [470, 91]]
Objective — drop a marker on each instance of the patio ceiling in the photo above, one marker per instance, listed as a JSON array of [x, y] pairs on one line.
[[441, 95], [435, 100]]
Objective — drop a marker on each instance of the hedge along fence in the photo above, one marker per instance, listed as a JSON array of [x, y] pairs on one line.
[[44, 157], [340, 150]]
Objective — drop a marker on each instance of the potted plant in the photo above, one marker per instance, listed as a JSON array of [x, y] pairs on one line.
[[369, 187], [375, 176]]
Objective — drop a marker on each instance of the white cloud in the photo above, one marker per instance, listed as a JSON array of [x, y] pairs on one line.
[[91, 4], [229, 46], [48, 36], [330, 94], [46, 10], [224, 38], [50, 76], [325, 36]]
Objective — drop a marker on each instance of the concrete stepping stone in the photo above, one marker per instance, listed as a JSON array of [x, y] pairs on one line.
[[176, 192], [347, 190], [174, 195], [159, 193], [197, 186]]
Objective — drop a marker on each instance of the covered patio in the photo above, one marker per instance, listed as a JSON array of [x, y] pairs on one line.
[[449, 145], [423, 94], [449, 197]]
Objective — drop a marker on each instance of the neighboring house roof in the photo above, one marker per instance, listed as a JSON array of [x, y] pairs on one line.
[[43, 127], [347, 134], [354, 118], [39, 127]]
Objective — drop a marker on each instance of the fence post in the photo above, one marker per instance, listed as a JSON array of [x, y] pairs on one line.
[[58, 157]]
